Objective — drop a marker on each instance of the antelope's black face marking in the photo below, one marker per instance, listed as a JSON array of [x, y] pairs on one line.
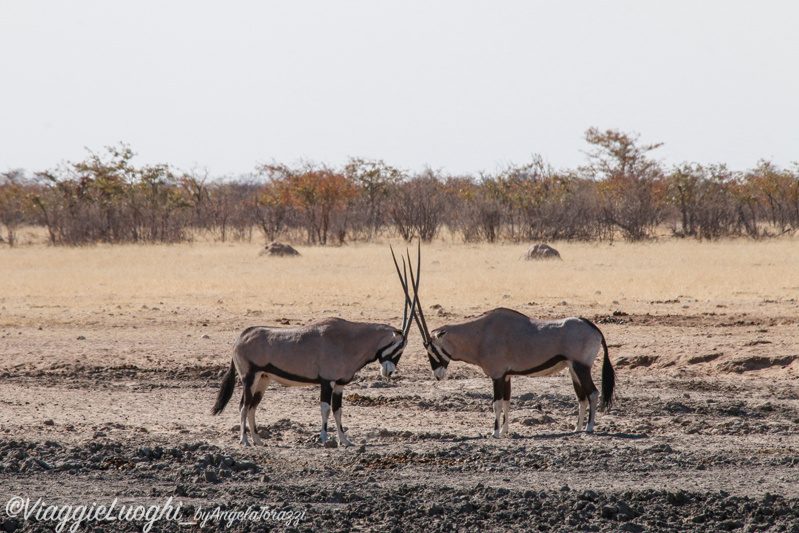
[[389, 356], [439, 359], [438, 354]]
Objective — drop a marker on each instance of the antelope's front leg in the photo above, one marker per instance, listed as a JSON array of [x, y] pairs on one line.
[[324, 404], [499, 390], [505, 407], [338, 391]]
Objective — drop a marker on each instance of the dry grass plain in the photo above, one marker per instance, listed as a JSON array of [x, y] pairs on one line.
[[108, 350]]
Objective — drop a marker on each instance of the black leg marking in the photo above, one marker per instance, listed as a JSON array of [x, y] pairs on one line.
[[337, 409], [506, 397], [325, 397], [337, 401], [583, 373], [327, 392], [246, 394], [579, 390], [256, 399], [499, 388]]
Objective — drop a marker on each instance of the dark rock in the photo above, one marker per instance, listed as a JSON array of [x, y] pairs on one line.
[[9, 526], [245, 465], [434, 510], [540, 251], [677, 498], [729, 525], [659, 448], [608, 511], [279, 249], [632, 527]]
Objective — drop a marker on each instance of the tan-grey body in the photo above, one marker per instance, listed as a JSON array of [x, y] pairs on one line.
[[504, 342], [331, 349], [328, 353]]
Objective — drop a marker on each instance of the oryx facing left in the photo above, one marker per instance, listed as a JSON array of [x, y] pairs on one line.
[[506, 343], [328, 353]]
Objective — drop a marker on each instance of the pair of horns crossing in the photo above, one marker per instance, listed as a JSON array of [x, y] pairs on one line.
[[415, 305]]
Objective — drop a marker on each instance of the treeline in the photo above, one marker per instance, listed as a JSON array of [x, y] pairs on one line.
[[621, 192]]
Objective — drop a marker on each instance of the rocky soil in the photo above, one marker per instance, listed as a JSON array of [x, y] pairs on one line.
[[703, 437]]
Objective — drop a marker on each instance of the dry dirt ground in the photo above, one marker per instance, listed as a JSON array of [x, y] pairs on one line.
[[703, 435]]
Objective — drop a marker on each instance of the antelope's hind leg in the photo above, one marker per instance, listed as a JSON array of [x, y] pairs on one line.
[[338, 391], [244, 405], [259, 387], [587, 394], [325, 399], [582, 402]]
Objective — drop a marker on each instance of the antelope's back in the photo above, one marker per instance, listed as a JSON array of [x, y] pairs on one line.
[[314, 349], [294, 349], [523, 342]]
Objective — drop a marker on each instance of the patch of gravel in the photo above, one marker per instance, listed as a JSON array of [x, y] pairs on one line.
[[378, 489]]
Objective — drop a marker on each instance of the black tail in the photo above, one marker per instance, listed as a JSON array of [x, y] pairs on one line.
[[608, 379], [226, 390], [608, 374]]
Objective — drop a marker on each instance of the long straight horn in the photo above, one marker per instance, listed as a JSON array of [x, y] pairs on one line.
[[406, 323], [404, 307], [420, 321]]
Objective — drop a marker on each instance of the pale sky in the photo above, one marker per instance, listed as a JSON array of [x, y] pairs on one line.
[[461, 87]]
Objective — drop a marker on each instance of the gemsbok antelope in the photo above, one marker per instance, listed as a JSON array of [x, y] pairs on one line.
[[505, 343], [327, 353]]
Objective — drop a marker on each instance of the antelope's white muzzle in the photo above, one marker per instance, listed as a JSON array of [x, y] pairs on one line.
[[440, 372], [387, 368]]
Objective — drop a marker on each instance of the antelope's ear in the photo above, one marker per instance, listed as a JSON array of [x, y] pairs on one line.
[[440, 333]]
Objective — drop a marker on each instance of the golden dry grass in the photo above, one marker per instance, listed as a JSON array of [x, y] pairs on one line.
[[348, 280]]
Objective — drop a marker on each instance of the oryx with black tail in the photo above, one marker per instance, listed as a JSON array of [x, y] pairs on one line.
[[327, 353], [505, 343]]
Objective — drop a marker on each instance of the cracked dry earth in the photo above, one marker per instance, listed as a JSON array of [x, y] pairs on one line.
[[703, 435]]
